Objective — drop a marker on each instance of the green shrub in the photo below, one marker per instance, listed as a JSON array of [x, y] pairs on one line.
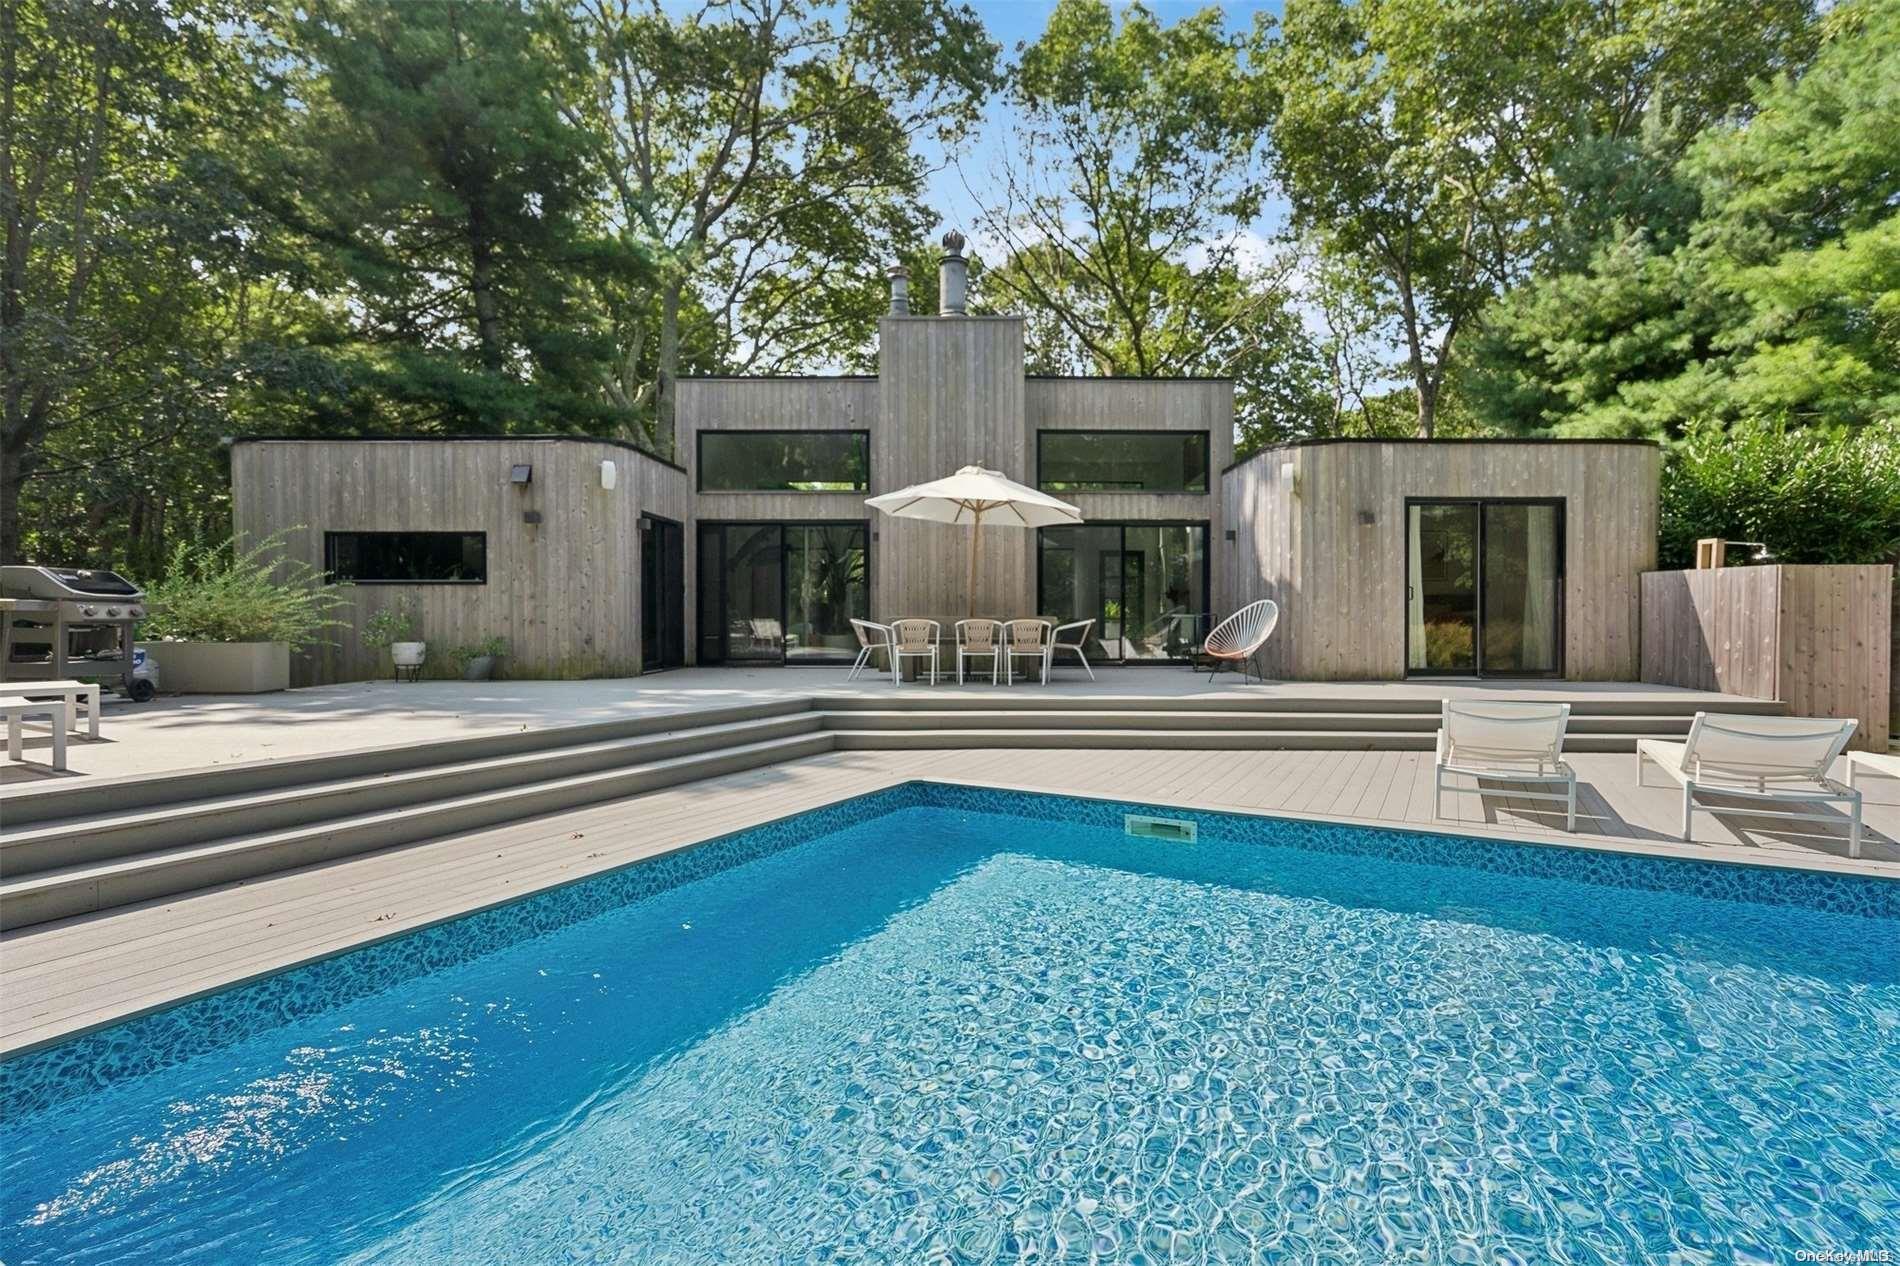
[[215, 593], [397, 622], [491, 646], [1813, 495]]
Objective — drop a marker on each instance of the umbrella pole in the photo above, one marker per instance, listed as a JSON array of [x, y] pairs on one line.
[[976, 544]]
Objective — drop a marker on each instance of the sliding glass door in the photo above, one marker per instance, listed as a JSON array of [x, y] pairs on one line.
[[1144, 585], [781, 593], [1483, 588]]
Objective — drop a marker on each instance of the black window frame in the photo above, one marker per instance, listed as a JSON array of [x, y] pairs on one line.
[[704, 527], [699, 462], [1207, 460], [330, 537], [1207, 576], [1479, 672]]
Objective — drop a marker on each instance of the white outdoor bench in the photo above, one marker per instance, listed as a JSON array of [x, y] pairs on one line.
[[75, 693], [18, 710]]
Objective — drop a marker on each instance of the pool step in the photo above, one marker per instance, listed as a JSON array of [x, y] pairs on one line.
[[64, 891]]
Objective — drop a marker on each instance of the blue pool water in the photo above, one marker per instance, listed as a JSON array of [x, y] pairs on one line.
[[968, 1027]]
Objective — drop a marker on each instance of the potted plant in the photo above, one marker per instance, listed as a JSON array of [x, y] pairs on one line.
[[224, 620], [477, 662], [395, 627]]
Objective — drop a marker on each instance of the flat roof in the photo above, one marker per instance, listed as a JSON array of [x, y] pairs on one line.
[[1551, 440], [625, 445]]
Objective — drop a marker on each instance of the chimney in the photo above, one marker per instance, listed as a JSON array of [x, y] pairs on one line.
[[900, 289], [953, 275]]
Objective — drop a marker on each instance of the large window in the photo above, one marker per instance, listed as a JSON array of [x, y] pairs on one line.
[[407, 558], [782, 593], [1144, 585], [784, 461], [1122, 461]]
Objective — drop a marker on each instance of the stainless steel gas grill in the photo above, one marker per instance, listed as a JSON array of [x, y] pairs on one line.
[[68, 622]]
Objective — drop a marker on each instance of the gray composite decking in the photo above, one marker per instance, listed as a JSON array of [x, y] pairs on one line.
[[63, 978]]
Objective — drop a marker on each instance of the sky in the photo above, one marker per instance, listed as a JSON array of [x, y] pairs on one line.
[[960, 186]]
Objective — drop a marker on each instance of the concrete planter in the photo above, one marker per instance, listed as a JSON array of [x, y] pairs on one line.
[[221, 668], [408, 654]]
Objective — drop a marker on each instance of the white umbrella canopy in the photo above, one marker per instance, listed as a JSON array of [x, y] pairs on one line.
[[976, 496]]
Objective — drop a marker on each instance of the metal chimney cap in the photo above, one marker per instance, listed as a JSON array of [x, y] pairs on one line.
[[953, 242], [897, 270]]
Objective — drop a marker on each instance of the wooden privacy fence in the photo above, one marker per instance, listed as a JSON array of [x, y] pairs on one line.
[[1819, 639]]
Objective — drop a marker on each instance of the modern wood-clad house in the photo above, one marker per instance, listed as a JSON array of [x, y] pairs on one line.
[[1389, 559]]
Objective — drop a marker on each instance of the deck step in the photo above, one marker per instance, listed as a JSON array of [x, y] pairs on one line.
[[982, 697], [83, 888], [99, 797], [102, 837], [1178, 721], [850, 738]]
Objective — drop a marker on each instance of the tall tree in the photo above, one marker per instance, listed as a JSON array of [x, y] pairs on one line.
[[1753, 278], [767, 153], [1130, 186], [114, 324], [1418, 143], [441, 189]]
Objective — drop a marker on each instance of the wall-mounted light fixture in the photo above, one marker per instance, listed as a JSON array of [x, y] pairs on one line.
[[609, 475], [1231, 535], [531, 516], [1367, 518], [522, 474]]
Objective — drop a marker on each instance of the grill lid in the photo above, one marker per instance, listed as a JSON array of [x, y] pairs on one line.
[[64, 582]]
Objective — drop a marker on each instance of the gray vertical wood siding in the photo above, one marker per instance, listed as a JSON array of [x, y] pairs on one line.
[[564, 592], [1320, 528]]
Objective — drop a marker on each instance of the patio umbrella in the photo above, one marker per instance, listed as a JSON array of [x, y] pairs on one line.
[[976, 496]]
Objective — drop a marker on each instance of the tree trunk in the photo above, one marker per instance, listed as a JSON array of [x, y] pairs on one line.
[[482, 282], [1427, 406], [12, 481], [667, 370]]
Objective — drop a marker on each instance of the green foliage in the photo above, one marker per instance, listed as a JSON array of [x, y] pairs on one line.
[[1751, 276], [219, 593], [1812, 495], [400, 621], [488, 647], [434, 177], [1134, 175]]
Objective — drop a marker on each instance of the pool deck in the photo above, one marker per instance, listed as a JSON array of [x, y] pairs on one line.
[[194, 731], [60, 979]]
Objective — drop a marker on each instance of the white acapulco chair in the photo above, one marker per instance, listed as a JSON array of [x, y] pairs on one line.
[[1027, 639], [980, 639], [916, 639], [1238, 638], [1772, 760], [872, 638], [1073, 636], [1522, 742]]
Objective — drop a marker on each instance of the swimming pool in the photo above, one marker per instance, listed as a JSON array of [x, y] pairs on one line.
[[952, 1024]]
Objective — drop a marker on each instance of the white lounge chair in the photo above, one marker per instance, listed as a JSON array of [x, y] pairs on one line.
[[1523, 742], [1776, 760], [1238, 638], [82, 698], [916, 639], [1073, 636], [980, 639], [17, 711], [1886, 764], [872, 638], [1028, 639]]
